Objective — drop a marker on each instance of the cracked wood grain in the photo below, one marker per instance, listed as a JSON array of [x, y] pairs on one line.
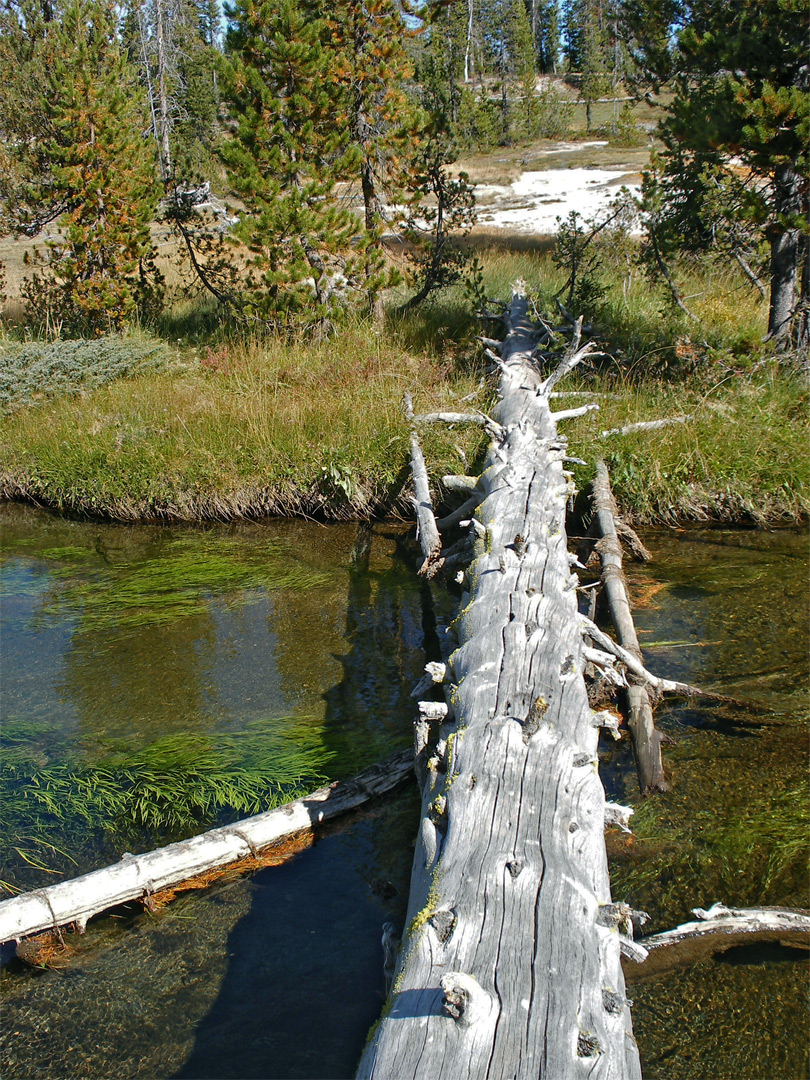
[[518, 854]]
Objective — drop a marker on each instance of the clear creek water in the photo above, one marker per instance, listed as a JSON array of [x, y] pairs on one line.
[[288, 651]]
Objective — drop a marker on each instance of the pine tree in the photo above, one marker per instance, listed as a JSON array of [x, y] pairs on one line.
[[741, 101], [290, 146], [372, 66], [196, 130], [520, 46], [75, 155], [588, 49], [546, 34]]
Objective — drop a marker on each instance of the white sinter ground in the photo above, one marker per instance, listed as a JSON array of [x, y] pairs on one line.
[[533, 203]]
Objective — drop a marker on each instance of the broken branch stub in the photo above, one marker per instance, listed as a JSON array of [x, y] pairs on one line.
[[429, 538], [515, 982]]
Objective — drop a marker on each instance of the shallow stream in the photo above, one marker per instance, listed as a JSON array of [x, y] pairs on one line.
[[286, 653]]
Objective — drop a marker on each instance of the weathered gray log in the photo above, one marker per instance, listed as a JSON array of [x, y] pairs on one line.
[[718, 929], [136, 877], [507, 968], [464, 484], [634, 665], [464, 511], [429, 538], [451, 418], [646, 739], [644, 425]]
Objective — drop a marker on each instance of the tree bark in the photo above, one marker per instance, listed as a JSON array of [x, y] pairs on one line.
[[510, 965], [784, 253]]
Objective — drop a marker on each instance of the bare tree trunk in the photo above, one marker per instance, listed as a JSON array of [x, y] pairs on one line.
[[137, 877], [510, 965], [718, 929], [784, 254], [469, 46], [372, 204], [164, 122]]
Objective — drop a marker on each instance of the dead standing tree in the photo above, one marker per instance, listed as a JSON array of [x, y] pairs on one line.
[[510, 966]]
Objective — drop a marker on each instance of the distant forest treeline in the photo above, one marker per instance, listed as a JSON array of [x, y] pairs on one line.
[[325, 126]]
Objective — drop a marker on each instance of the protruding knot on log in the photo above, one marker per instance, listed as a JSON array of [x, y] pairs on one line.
[[479, 529], [519, 545], [465, 1000], [435, 674], [632, 950], [439, 758], [613, 1002], [465, 484], [433, 710], [443, 923], [429, 713], [616, 814], [583, 759], [532, 722], [588, 1045], [568, 669], [438, 808], [608, 720], [621, 916]]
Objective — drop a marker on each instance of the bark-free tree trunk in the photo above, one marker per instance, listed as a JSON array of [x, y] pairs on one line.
[[510, 962], [164, 143], [646, 739], [718, 929]]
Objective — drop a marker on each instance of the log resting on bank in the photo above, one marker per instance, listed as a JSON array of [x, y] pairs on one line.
[[510, 963], [137, 877]]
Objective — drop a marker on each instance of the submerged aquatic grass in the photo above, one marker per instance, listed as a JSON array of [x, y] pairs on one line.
[[172, 787], [177, 583], [745, 846]]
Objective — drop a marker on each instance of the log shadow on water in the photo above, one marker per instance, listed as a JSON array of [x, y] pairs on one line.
[[304, 980]]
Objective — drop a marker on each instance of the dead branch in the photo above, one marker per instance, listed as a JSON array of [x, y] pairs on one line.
[[644, 425]]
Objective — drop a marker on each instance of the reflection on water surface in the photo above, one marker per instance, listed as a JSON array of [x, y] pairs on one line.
[[115, 638]]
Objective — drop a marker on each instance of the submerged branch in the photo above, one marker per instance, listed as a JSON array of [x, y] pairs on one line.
[[138, 877]]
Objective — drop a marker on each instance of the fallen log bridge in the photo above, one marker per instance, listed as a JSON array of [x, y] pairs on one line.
[[510, 963]]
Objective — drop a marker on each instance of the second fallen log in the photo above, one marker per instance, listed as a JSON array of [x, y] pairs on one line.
[[646, 739]]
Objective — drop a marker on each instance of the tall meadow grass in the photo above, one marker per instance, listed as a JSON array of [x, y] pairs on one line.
[[242, 425]]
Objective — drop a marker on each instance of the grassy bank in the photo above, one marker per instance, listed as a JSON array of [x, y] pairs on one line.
[[252, 426]]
